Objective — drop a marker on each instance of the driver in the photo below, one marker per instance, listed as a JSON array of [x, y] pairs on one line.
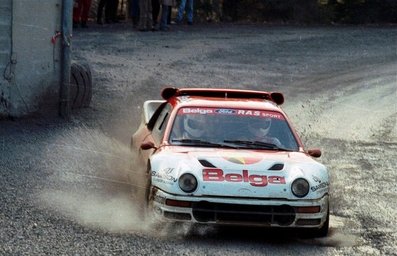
[[259, 129], [194, 126]]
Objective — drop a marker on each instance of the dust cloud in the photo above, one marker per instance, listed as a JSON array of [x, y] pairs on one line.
[[335, 237], [89, 181], [115, 215], [90, 186]]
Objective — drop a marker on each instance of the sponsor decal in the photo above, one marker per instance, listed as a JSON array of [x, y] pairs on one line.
[[319, 186], [272, 115], [197, 111], [164, 175], [316, 179], [242, 112], [217, 175], [225, 111]]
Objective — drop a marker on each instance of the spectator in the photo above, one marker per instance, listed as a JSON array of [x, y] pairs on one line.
[[113, 12], [102, 4], [134, 12], [111, 8], [165, 8], [145, 15], [169, 14], [81, 9], [155, 12], [189, 12]]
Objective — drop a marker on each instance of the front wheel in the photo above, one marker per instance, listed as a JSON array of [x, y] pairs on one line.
[[321, 232], [145, 199], [140, 192]]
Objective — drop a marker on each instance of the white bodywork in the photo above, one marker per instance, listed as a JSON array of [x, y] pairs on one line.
[[239, 177]]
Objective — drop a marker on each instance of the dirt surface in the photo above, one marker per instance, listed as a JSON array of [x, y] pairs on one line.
[[63, 188]]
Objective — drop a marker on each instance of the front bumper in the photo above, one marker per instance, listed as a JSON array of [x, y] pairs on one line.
[[240, 211]]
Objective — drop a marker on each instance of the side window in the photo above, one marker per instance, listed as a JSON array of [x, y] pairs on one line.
[[161, 124]]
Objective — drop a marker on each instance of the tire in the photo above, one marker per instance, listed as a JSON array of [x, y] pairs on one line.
[[80, 85], [146, 202], [76, 86], [141, 194], [87, 75], [321, 232]]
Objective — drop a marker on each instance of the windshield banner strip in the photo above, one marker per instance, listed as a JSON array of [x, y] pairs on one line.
[[231, 112]]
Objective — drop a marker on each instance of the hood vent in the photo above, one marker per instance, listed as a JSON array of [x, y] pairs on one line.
[[276, 167], [205, 163]]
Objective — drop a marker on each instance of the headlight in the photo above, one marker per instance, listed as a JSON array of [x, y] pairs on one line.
[[300, 187], [188, 183]]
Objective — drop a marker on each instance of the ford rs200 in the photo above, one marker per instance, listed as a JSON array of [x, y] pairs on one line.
[[227, 157]]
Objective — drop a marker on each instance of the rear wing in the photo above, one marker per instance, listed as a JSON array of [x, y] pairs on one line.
[[149, 107], [276, 97]]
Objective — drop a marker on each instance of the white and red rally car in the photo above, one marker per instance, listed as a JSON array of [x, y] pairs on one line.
[[226, 156]]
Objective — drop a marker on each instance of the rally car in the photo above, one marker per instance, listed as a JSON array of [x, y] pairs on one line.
[[229, 157]]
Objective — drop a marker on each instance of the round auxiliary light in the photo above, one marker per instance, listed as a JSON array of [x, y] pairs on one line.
[[187, 182], [300, 187]]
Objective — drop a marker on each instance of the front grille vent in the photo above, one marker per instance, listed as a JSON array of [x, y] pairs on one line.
[[282, 215]]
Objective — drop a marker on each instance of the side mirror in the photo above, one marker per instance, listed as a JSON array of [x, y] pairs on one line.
[[315, 152], [147, 145]]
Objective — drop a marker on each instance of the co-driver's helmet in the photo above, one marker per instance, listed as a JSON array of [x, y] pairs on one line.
[[194, 125], [260, 126]]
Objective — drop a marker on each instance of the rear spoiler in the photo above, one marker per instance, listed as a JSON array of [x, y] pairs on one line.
[[276, 97]]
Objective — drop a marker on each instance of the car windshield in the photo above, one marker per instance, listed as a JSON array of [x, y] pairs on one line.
[[232, 128]]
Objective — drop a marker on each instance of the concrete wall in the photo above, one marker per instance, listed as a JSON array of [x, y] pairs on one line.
[[5, 52], [33, 61]]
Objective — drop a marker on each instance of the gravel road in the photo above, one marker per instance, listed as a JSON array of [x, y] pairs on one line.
[[63, 187]]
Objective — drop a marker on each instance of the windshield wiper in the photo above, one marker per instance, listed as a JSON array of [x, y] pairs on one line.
[[256, 143], [202, 143]]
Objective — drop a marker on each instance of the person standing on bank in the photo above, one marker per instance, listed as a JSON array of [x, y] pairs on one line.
[[155, 12], [165, 8], [81, 10], [189, 12], [134, 12], [113, 12], [101, 5], [145, 15]]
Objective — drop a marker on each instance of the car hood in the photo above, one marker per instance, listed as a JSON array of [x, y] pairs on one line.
[[237, 173]]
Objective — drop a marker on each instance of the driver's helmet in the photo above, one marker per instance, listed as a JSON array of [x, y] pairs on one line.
[[194, 125], [260, 126]]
